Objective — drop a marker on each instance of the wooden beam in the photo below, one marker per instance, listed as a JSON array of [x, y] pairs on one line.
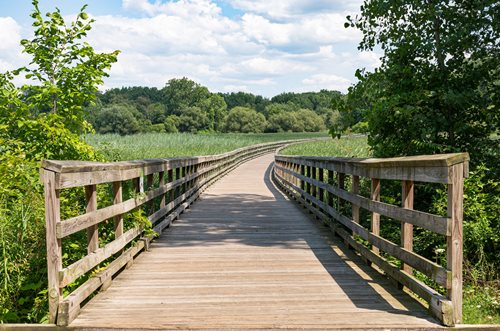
[[407, 228], [375, 222], [92, 231], [455, 240], [54, 250], [118, 199]]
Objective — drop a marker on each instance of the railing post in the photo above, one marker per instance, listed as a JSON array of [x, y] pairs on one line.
[[321, 178], [170, 179], [454, 241], [149, 186], [341, 184], [314, 189], [407, 228], [303, 173], [355, 190], [161, 179], [54, 250], [92, 231], [330, 182], [117, 199], [375, 196]]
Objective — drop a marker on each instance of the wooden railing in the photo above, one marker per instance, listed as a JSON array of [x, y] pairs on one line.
[[176, 183], [320, 185]]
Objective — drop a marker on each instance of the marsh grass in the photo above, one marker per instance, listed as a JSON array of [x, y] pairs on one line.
[[163, 145], [347, 146]]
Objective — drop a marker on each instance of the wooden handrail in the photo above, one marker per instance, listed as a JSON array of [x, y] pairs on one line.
[[311, 181], [180, 182]]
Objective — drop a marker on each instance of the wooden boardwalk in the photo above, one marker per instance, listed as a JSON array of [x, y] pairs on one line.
[[244, 256]]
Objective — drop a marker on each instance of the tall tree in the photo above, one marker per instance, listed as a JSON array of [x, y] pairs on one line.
[[438, 82], [66, 70]]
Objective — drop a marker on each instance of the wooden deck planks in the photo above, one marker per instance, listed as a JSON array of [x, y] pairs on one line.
[[244, 256]]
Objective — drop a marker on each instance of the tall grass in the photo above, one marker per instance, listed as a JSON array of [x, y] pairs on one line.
[[347, 146], [162, 145]]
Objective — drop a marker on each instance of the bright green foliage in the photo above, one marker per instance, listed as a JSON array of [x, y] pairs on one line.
[[437, 88], [67, 70], [40, 121], [245, 120], [481, 227]]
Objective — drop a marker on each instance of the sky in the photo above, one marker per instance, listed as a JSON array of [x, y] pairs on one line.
[[265, 47]]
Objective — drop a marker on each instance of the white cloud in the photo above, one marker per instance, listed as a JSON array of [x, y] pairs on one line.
[[10, 48], [274, 46], [290, 8], [326, 81]]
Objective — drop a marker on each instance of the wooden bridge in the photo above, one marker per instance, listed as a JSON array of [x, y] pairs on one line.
[[246, 255]]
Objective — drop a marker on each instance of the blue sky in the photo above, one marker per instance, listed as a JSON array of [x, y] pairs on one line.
[[261, 46]]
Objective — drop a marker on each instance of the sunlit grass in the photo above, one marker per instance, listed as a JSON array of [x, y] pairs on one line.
[[347, 146], [163, 145]]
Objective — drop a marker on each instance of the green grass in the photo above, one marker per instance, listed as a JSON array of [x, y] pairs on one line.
[[481, 304], [162, 145], [347, 146]]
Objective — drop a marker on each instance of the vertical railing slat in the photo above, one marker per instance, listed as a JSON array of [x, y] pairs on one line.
[[454, 241], [54, 250], [407, 228], [375, 223], [92, 231]]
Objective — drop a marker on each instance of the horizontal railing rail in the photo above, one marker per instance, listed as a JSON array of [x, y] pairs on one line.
[[319, 183], [163, 188]]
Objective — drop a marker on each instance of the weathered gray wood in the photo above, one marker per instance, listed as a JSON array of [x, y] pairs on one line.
[[54, 251], [429, 268], [455, 240], [82, 266], [118, 199], [375, 221], [435, 223], [235, 277], [424, 168], [407, 196], [355, 191], [92, 231]]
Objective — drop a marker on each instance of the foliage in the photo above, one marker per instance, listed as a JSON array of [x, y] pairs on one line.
[[481, 304], [40, 121], [67, 71], [183, 93], [245, 120], [117, 118], [422, 104], [481, 227], [193, 119], [180, 96]]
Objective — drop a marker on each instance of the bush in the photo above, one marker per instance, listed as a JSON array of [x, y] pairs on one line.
[[245, 120]]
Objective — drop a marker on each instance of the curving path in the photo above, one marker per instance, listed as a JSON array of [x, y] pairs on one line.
[[244, 256]]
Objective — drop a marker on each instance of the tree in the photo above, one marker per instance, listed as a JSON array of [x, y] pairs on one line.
[[41, 121], [245, 120], [216, 109], [67, 71], [182, 93], [438, 82], [117, 119], [311, 121], [193, 119]]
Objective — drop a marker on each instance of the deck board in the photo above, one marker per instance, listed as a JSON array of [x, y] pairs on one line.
[[244, 256]]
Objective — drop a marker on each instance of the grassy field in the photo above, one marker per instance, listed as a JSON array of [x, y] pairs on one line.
[[162, 145], [347, 146]]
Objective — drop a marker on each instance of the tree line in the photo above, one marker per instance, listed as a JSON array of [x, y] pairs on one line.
[[186, 106]]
